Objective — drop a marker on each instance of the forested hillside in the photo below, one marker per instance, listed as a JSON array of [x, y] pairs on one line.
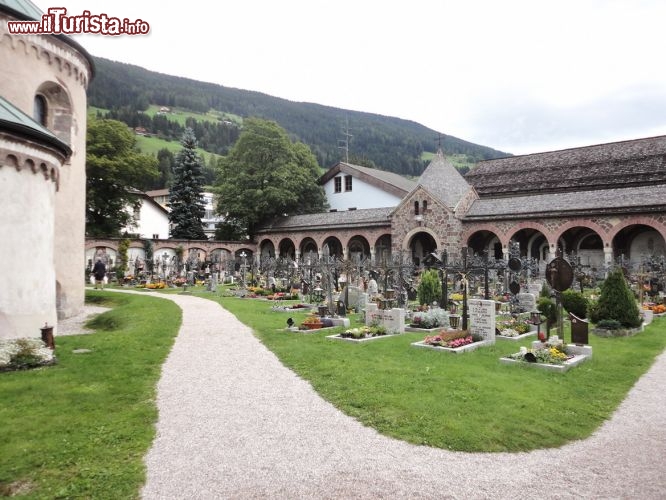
[[389, 143]]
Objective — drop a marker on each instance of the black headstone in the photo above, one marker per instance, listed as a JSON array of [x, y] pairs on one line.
[[579, 329]]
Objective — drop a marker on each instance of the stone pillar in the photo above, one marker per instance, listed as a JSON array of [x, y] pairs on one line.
[[608, 255], [373, 252]]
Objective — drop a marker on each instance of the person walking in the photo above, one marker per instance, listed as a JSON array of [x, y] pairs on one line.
[[99, 271]]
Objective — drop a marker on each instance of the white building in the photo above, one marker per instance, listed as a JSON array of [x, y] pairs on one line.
[[209, 220], [151, 220], [350, 186]]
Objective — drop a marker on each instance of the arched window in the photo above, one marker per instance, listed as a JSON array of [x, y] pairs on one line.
[[416, 208], [40, 110], [425, 205]]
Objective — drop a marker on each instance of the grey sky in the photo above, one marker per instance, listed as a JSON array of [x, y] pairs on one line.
[[520, 76]]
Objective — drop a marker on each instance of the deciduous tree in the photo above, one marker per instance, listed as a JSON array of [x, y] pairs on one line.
[[266, 175], [114, 170]]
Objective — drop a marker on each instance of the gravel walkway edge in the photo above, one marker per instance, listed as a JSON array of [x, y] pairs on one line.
[[235, 423]]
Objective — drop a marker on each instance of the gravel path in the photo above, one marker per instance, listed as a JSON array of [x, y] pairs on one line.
[[235, 423]]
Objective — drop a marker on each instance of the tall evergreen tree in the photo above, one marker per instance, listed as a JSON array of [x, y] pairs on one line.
[[185, 198]]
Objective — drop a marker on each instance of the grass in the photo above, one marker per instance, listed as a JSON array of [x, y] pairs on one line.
[[151, 145], [467, 402], [81, 428], [180, 115]]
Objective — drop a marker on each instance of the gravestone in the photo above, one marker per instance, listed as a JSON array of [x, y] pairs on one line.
[[535, 287], [212, 284], [391, 319], [579, 330], [526, 301], [482, 319], [353, 297]]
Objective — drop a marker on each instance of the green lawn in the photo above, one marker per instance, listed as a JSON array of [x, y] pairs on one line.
[[151, 145], [468, 402], [181, 115], [81, 428]]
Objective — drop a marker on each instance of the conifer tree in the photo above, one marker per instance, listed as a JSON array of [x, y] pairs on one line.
[[617, 301], [186, 194]]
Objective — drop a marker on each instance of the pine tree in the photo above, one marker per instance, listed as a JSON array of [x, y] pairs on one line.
[[186, 194]]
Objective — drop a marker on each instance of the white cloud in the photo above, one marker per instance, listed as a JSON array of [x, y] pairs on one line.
[[516, 75]]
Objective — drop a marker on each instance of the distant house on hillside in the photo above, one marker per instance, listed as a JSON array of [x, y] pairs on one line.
[[350, 186]]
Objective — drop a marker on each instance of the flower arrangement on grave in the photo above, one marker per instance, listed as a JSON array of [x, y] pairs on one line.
[[17, 354], [449, 338], [456, 297], [156, 286], [430, 318], [513, 327], [364, 332], [312, 322], [552, 352], [655, 308], [179, 281]]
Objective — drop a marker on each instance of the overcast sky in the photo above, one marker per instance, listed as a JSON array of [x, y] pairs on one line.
[[518, 76]]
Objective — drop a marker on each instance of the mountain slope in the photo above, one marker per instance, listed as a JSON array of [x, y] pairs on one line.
[[389, 143]]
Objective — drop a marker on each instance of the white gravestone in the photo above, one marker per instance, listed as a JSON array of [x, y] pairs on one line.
[[391, 319], [482, 319], [526, 301]]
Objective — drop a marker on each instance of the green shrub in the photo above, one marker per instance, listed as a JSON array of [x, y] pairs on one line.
[[609, 324], [430, 288], [575, 303], [548, 308], [617, 301]]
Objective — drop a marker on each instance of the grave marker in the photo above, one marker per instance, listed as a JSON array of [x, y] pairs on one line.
[[482, 319]]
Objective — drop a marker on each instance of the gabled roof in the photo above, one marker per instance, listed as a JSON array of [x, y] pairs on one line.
[[640, 162], [387, 181], [363, 218], [443, 181], [14, 120], [632, 199]]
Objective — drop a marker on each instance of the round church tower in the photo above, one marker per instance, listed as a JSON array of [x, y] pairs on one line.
[[42, 174]]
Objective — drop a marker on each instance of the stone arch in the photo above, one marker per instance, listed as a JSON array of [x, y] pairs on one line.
[[531, 246], [287, 248], [420, 242], [335, 247], [483, 240], [585, 242], [636, 241], [358, 246], [59, 115], [645, 221], [266, 249], [383, 247], [308, 246]]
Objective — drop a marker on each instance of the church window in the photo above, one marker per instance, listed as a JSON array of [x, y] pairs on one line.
[[338, 184], [39, 113], [416, 208], [425, 205], [348, 182]]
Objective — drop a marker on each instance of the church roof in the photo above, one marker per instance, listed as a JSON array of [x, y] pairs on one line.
[[640, 162], [632, 199], [363, 218], [388, 181], [25, 8], [16, 121], [442, 179]]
